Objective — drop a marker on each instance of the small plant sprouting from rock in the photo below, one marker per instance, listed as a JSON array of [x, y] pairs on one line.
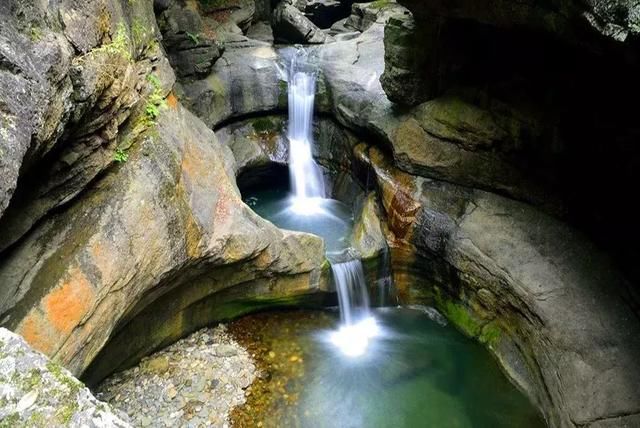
[[120, 156], [194, 38], [138, 32], [156, 100], [119, 44]]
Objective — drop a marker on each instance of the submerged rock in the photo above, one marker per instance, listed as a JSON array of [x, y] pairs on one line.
[[36, 392]]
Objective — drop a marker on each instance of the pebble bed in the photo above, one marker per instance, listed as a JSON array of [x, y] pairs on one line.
[[195, 382]]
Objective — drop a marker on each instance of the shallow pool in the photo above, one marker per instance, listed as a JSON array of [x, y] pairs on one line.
[[419, 372]]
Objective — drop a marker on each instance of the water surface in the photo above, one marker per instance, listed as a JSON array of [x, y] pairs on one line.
[[418, 373]]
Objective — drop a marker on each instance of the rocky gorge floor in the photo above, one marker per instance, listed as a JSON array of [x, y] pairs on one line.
[[195, 382]]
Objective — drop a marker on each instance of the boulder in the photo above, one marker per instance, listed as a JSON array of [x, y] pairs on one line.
[[407, 55], [256, 143], [290, 24], [190, 51], [262, 31], [247, 80], [37, 392], [363, 15], [368, 237]]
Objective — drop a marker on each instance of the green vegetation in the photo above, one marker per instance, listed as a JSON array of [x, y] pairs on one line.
[[65, 413], [138, 32], [379, 4], [120, 156], [71, 383], [263, 126], [283, 93], [31, 380], [490, 334], [37, 419], [194, 38], [10, 421], [35, 34], [156, 101], [119, 44]]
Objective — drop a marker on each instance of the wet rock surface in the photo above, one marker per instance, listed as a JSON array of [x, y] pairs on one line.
[[195, 382]]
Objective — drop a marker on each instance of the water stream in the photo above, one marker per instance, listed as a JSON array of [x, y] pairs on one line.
[[306, 177], [358, 326]]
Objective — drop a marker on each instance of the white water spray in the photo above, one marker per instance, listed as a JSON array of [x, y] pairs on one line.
[[306, 177], [358, 326]]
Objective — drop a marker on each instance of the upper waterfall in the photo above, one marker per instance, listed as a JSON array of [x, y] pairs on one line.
[[306, 177]]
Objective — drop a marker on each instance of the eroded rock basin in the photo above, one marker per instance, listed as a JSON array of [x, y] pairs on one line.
[[278, 369]]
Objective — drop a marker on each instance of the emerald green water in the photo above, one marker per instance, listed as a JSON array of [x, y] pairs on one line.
[[333, 221], [418, 373]]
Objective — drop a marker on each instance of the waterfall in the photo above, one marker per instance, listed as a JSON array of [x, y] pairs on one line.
[[358, 326], [353, 296], [306, 177]]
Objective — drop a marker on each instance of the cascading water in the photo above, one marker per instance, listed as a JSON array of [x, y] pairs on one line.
[[306, 177], [358, 325], [309, 202]]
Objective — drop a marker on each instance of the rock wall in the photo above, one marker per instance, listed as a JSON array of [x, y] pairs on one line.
[[136, 202], [122, 225], [568, 66], [535, 291]]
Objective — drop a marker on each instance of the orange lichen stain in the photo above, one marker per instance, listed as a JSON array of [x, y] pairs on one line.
[[68, 303], [172, 101], [37, 332]]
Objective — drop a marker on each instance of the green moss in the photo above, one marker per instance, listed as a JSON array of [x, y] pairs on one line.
[[216, 85], [66, 412], [458, 315], [490, 334], [10, 421], [74, 385], [283, 99], [37, 419], [379, 4], [119, 45], [194, 38], [31, 381], [35, 34], [263, 125]]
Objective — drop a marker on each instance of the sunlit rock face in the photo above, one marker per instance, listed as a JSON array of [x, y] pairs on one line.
[[148, 211], [125, 244], [38, 392]]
